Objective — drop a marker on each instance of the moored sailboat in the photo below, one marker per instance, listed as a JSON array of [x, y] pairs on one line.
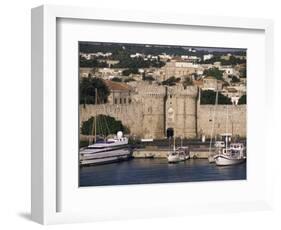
[[178, 154]]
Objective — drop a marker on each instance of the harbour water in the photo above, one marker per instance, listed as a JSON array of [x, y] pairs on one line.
[[149, 171]]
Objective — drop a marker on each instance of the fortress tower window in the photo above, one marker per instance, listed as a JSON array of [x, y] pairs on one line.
[[125, 101], [115, 101], [120, 100], [130, 100]]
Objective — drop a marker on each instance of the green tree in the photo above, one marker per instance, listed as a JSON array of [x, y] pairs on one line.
[[208, 97], [105, 125], [127, 72], [87, 90], [171, 81], [116, 79], [234, 79], [92, 63], [243, 72], [148, 78], [129, 79], [242, 100], [187, 81], [215, 72]]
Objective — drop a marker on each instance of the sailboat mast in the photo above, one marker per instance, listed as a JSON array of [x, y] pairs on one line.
[[216, 103], [213, 121], [174, 143], [96, 102], [226, 141]]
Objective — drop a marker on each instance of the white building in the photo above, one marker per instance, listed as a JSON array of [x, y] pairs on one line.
[[227, 69], [207, 56]]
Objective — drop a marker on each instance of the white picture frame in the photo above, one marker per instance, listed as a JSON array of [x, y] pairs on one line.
[[45, 182]]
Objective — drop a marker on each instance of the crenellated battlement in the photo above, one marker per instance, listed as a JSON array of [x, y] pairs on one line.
[[155, 108]]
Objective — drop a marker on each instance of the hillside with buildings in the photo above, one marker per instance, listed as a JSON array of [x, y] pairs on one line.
[[154, 88]]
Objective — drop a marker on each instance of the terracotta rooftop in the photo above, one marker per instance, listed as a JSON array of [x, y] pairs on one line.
[[232, 90], [117, 85], [209, 77], [198, 82]]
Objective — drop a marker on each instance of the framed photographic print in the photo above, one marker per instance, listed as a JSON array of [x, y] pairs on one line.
[[142, 114]]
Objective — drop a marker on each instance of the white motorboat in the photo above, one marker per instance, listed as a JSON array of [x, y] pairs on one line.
[[107, 151]]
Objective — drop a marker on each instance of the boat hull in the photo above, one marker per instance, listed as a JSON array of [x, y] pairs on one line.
[[105, 157], [224, 160], [211, 158], [173, 159]]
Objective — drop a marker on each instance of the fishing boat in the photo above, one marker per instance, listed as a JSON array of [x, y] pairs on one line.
[[232, 155], [229, 153], [226, 153]]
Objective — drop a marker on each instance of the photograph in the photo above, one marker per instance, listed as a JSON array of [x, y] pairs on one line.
[[154, 113]]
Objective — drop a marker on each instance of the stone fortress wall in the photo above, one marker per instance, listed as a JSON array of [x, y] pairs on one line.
[[156, 108], [131, 115], [228, 119]]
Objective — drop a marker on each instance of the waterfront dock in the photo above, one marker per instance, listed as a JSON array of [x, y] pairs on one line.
[[156, 152]]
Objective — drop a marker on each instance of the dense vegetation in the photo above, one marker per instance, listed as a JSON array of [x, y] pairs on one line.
[[148, 78], [187, 82], [234, 79], [242, 100], [92, 63], [105, 125], [208, 97], [171, 81], [125, 61], [129, 79], [116, 79], [243, 72], [122, 53], [214, 72], [114, 48], [127, 72], [87, 91]]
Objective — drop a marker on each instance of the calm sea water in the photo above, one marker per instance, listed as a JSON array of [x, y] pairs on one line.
[[148, 171]]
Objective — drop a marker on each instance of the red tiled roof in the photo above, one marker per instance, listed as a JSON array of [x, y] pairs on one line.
[[117, 85], [232, 90], [198, 83], [209, 77]]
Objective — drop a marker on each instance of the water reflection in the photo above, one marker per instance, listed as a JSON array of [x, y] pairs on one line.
[[144, 171]]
